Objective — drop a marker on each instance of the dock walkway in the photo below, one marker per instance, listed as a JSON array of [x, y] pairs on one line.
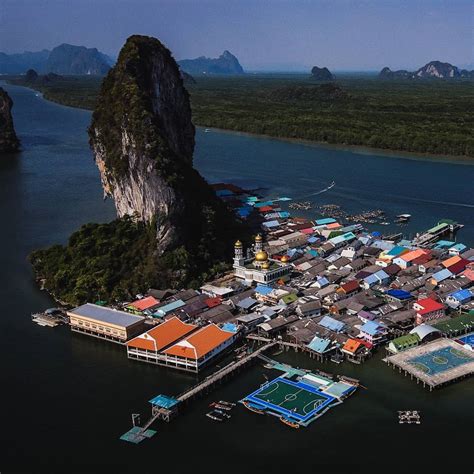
[[207, 383]]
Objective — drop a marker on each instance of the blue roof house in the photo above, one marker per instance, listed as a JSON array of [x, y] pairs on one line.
[[458, 298]]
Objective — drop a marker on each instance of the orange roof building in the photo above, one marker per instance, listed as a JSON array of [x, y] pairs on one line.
[[352, 346], [160, 337], [199, 348], [451, 261], [144, 303]]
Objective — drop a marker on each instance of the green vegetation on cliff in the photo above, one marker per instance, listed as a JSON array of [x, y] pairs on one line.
[[115, 261], [414, 116]]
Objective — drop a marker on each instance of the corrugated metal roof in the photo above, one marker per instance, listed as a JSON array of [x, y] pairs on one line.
[[107, 315]]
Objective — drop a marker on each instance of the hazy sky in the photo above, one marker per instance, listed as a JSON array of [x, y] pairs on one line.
[[263, 34]]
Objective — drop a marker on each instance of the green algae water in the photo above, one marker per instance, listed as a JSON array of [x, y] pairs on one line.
[[67, 398]]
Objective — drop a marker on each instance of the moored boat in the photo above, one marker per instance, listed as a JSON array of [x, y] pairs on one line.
[[292, 424], [253, 408], [212, 416], [229, 404]]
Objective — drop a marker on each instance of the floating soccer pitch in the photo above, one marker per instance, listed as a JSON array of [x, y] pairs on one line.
[[436, 363], [440, 360], [295, 401]]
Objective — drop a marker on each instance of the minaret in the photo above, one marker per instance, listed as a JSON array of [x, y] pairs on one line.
[[258, 243], [238, 254]]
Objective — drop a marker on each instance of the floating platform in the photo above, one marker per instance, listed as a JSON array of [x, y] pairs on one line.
[[436, 363], [137, 435], [294, 402]]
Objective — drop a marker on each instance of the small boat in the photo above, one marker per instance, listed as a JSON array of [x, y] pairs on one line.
[[219, 406], [385, 223], [229, 404], [253, 408], [288, 422], [222, 413], [214, 417], [207, 130]]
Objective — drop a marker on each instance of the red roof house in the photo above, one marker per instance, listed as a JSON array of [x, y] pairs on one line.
[[428, 309]]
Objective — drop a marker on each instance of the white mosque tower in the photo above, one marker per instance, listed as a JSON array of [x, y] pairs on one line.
[[259, 267]]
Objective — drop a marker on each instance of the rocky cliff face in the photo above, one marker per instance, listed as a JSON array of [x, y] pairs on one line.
[[143, 142], [387, 73], [226, 63], [71, 59], [431, 70], [8, 140], [438, 70], [321, 74]]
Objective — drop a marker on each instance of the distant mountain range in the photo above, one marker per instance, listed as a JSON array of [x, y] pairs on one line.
[[433, 69], [226, 63], [64, 59]]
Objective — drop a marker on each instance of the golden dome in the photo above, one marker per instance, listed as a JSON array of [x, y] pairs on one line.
[[261, 256], [238, 244], [266, 265], [285, 259], [259, 238]]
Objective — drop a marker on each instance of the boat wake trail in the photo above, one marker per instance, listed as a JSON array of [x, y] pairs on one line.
[[321, 191]]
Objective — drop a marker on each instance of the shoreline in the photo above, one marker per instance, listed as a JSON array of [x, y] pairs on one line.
[[357, 149]]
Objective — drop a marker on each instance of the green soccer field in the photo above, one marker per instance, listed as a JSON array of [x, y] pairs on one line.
[[291, 398]]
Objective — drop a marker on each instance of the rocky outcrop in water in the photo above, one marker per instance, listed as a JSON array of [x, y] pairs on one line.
[[321, 74], [226, 63], [431, 70], [143, 142], [8, 140]]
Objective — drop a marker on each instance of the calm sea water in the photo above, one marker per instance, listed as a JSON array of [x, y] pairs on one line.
[[66, 398]]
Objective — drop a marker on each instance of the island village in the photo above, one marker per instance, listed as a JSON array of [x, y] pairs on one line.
[[325, 287]]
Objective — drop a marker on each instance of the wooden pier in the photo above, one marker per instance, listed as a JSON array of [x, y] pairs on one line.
[[288, 345]]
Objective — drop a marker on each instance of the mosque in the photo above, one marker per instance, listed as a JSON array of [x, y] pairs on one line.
[[259, 267]]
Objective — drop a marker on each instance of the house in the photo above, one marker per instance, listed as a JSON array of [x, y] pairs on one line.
[[331, 324], [321, 282], [213, 291], [352, 347], [247, 304], [217, 314], [144, 304], [348, 289], [428, 309], [458, 267], [440, 276], [310, 309], [407, 259], [401, 319], [250, 321], [378, 278], [373, 332], [459, 298], [403, 343], [276, 325], [320, 346], [398, 295], [168, 308]]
